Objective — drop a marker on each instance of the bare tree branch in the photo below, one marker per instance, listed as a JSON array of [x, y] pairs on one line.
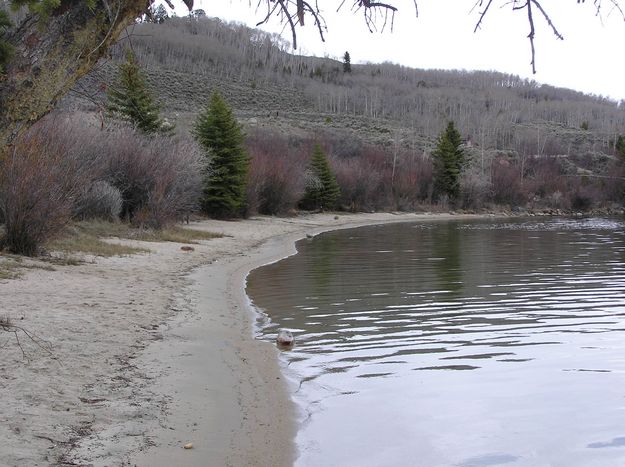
[[548, 19], [479, 3], [530, 19], [293, 13], [529, 6]]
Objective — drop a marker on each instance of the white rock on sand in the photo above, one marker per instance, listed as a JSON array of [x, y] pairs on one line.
[[152, 352]]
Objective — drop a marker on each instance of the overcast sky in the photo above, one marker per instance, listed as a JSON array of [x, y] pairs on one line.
[[590, 59]]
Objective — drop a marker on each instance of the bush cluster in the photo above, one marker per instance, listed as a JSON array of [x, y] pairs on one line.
[[64, 169], [369, 178], [276, 177], [67, 169], [545, 182], [379, 178]]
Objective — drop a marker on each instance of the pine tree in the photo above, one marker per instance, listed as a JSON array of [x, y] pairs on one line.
[[448, 162], [5, 48], [156, 14], [131, 99], [620, 146], [347, 63], [219, 134], [322, 190]]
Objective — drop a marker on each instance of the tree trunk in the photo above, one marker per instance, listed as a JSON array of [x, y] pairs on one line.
[[50, 55]]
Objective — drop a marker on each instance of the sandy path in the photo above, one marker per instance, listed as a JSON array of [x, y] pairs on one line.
[[151, 352]]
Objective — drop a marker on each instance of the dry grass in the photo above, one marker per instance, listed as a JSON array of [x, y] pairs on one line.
[[176, 234], [13, 266], [86, 237], [9, 269], [122, 230]]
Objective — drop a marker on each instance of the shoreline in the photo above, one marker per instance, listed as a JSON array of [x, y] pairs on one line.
[[155, 351], [267, 431]]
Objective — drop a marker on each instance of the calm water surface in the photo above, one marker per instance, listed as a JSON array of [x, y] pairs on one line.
[[455, 343]]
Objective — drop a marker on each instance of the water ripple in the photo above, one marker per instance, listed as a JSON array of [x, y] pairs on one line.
[[509, 324]]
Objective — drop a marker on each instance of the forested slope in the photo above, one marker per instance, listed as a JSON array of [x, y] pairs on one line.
[[528, 145], [186, 58]]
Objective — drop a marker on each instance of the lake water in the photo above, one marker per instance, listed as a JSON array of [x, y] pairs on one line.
[[476, 343]]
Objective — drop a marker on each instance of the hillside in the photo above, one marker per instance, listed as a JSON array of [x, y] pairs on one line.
[[186, 59], [529, 146]]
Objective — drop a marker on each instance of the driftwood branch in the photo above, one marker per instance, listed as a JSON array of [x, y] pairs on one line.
[[7, 325]]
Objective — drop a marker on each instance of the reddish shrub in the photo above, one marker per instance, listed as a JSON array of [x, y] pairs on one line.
[[612, 186], [276, 176], [40, 180], [412, 184], [361, 186], [63, 168], [544, 176], [506, 183], [160, 178]]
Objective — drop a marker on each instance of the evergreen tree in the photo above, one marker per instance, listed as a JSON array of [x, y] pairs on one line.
[[5, 48], [219, 134], [620, 146], [160, 14], [131, 99], [448, 162], [347, 63], [322, 190]]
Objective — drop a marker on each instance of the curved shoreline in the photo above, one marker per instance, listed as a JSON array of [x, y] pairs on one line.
[[154, 351], [259, 413]]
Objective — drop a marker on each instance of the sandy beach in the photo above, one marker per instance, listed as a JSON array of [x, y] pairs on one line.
[[151, 352]]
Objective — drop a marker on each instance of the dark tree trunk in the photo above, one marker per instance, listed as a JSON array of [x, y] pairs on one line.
[[51, 55]]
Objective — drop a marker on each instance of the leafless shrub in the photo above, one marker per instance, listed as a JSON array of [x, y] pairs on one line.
[[507, 185], [544, 176], [586, 193], [360, 186], [475, 188], [381, 178], [159, 178], [613, 185], [556, 200], [100, 201], [412, 184], [64, 168], [276, 178], [40, 180], [176, 187]]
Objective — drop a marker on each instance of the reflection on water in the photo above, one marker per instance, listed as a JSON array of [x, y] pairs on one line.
[[456, 343]]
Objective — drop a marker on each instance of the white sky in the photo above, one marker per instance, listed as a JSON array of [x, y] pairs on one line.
[[590, 59]]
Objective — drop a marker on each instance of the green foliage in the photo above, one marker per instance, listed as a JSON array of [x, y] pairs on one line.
[[448, 161], [131, 99], [620, 146], [322, 190], [6, 51], [157, 15], [221, 138], [584, 126], [347, 63], [43, 8]]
